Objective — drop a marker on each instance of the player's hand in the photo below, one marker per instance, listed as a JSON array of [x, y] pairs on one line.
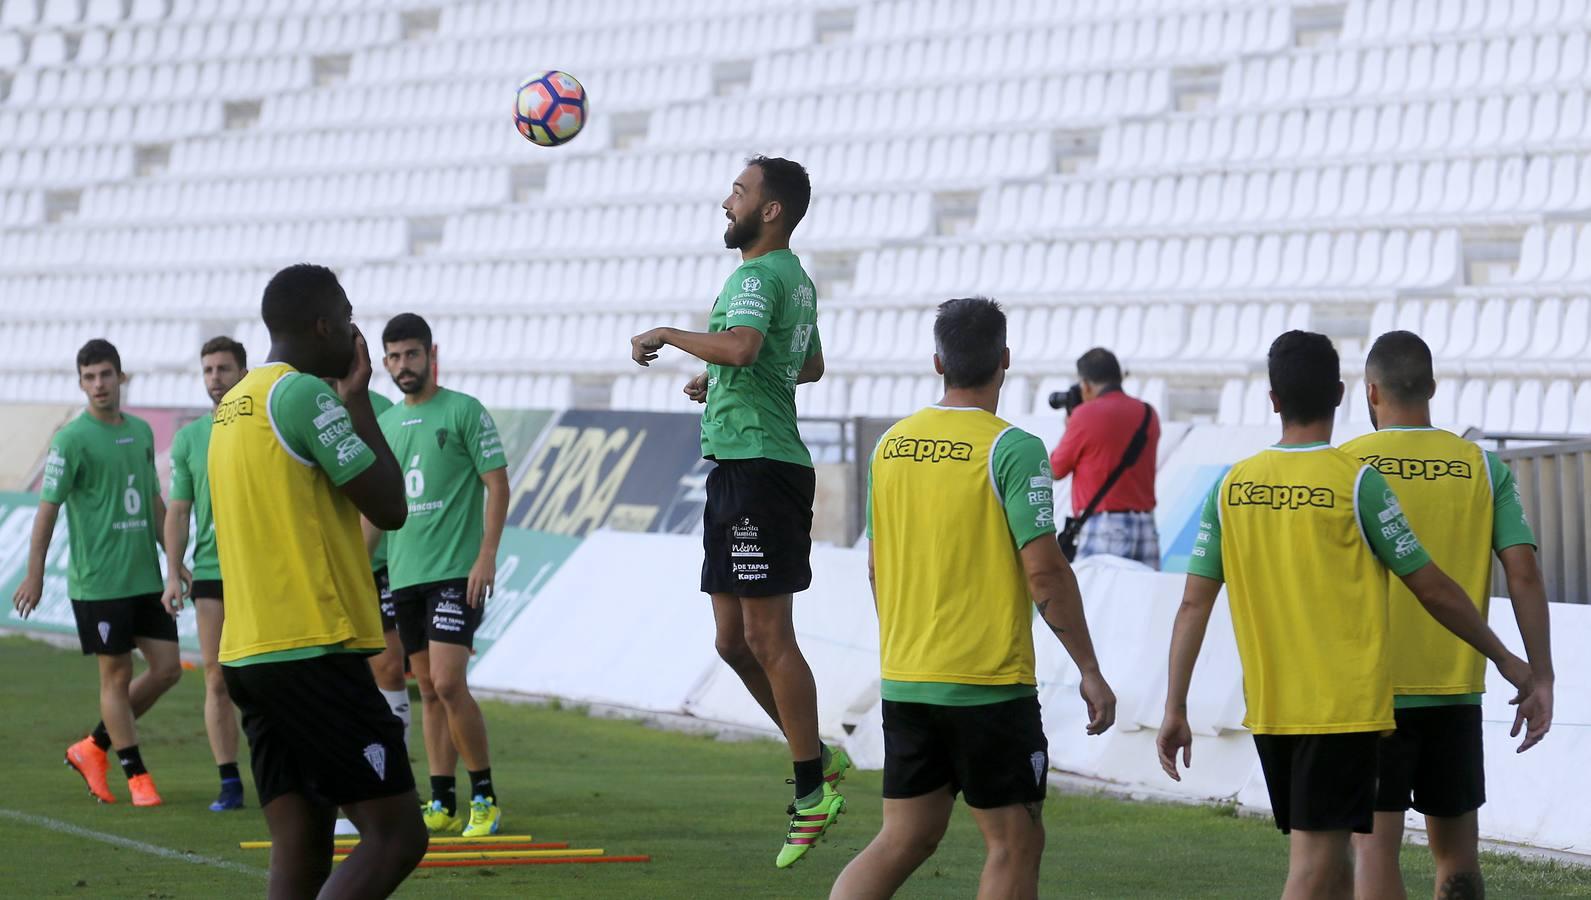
[[644, 346], [1533, 713], [27, 597], [1101, 702], [1518, 673], [696, 388], [171, 597], [483, 577], [1174, 735], [357, 381]]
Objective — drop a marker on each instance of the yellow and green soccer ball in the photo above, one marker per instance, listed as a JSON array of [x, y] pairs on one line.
[[550, 108]]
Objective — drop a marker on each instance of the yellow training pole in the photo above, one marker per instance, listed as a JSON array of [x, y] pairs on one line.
[[435, 841]]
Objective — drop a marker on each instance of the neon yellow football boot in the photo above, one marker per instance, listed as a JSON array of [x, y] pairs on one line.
[[839, 764], [438, 820], [808, 825], [485, 817]]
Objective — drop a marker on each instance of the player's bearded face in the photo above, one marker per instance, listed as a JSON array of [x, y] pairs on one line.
[[743, 230]]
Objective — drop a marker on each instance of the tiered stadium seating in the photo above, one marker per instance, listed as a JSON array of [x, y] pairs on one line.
[[1177, 179]]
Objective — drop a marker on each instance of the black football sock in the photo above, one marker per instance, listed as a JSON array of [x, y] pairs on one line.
[[229, 772], [132, 761], [101, 737], [444, 790], [481, 784], [808, 776]]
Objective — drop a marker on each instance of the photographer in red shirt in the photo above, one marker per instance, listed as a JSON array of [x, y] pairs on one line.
[[1109, 433]]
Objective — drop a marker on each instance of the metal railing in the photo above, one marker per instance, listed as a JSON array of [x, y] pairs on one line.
[[1553, 479]]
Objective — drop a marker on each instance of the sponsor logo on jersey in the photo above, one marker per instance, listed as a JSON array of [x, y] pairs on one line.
[[1279, 496], [1407, 544], [230, 411], [326, 402], [1045, 517], [1428, 469], [328, 416], [752, 284], [744, 549], [122, 441], [804, 295], [926, 449], [745, 531], [1393, 509], [407, 422], [1040, 481], [337, 431], [351, 447]]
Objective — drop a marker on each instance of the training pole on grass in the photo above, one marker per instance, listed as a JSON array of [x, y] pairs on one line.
[[539, 861], [461, 848], [435, 841]]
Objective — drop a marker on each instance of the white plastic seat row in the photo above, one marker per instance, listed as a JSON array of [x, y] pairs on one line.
[[36, 128], [543, 342], [54, 386], [1376, 20], [396, 191], [354, 149], [143, 343], [1502, 333], [65, 166], [1550, 254], [233, 39], [487, 18], [1454, 66], [843, 219], [1295, 262], [1057, 100], [512, 46], [667, 284], [21, 208], [1478, 123], [664, 392], [1124, 36], [505, 391], [234, 79], [610, 90], [1472, 189], [916, 162], [164, 247], [1498, 406], [228, 10], [195, 292]]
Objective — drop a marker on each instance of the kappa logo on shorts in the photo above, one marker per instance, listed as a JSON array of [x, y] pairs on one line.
[[376, 755], [104, 632], [1039, 762]]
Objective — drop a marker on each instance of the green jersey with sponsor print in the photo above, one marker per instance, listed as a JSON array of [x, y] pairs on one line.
[[444, 445], [751, 412], [190, 480], [105, 476]]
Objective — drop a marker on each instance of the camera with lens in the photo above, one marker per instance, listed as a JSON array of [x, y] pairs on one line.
[[1069, 400]]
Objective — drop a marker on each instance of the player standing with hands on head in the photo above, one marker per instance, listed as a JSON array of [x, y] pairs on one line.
[[223, 363], [294, 461], [1305, 536], [101, 465], [1463, 502], [762, 341], [961, 518], [442, 563]]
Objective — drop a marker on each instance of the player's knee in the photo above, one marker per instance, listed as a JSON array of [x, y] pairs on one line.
[[214, 681], [732, 649], [767, 645], [451, 687], [166, 675]]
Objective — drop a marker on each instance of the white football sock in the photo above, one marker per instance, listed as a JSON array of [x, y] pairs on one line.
[[399, 703]]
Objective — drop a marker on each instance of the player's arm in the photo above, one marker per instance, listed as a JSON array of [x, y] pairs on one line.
[[737, 346], [175, 528], [1026, 493], [1515, 543], [1206, 572], [377, 490], [483, 574], [812, 369], [31, 590]]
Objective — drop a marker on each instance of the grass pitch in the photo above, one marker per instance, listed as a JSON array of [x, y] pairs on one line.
[[710, 814]]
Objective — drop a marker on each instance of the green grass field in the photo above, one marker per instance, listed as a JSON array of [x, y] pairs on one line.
[[709, 813]]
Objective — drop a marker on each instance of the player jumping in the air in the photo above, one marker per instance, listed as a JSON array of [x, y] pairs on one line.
[[762, 341], [294, 461], [1304, 536], [101, 465], [1464, 504], [443, 564], [962, 522], [223, 363]]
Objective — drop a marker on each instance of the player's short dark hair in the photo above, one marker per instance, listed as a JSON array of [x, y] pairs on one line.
[[297, 296], [407, 327], [97, 351], [1306, 376], [969, 336], [1400, 363], [786, 181], [224, 344], [1099, 366]]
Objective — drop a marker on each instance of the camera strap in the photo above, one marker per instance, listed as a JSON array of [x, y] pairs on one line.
[[1135, 449]]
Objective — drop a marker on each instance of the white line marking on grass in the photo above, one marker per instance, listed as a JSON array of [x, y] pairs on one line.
[[128, 843]]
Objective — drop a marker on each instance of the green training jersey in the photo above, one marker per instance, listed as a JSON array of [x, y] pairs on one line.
[[751, 411], [105, 477], [190, 480], [444, 445], [378, 557]]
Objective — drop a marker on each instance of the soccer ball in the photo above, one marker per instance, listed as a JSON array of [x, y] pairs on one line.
[[550, 108]]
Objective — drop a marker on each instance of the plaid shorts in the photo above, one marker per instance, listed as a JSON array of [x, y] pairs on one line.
[[1130, 535]]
